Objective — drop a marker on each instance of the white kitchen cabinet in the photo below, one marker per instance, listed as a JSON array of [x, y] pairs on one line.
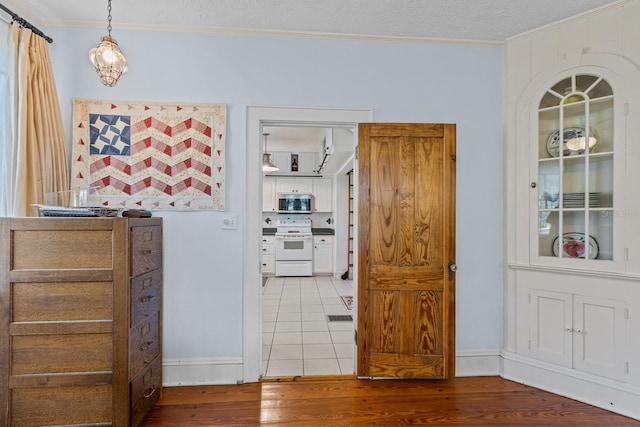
[[268, 194], [282, 159], [307, 162], [322, 254], [322, 194], [579, 332], [268, 255], [294, 185]]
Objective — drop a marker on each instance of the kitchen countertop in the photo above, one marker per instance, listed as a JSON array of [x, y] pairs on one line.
[[316, 231]]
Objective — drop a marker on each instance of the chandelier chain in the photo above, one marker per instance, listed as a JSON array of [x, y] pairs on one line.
[[109, 18]]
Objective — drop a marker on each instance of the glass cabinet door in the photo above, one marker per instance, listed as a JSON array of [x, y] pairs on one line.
[[575, 170]]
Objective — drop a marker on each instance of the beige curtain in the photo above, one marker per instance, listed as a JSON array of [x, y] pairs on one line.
[[39, 148]]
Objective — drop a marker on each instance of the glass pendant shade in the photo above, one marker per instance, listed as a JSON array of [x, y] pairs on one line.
[[267, 166], [109, 61]]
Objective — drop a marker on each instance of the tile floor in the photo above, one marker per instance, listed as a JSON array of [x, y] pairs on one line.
[[297, 339]]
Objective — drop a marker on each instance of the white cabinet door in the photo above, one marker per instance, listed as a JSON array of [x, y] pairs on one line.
[[322, 194], [268, 194], [268, 255], [580, 332], [323, 254], [282, 159], [551, 327], [307, 162], [599, 335], [294, 185]]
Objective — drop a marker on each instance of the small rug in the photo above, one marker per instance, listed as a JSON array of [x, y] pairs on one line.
[[348, 301]]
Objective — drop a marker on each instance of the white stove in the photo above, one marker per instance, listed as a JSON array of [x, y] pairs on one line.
[[294, 247]]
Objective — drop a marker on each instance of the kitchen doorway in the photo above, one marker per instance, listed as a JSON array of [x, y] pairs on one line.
[[257, 119], [307, 308]]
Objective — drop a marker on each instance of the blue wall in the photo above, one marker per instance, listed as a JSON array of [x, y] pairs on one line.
[[402, 82]]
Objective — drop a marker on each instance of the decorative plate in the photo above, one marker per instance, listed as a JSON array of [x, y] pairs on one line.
[[553, 143], [573, 246]]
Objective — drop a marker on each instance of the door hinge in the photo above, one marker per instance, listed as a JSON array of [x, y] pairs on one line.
[[626, 313], [626, 367], [357, 150], [626, 108], [626, 254], [529, 298], [529, 344], [355, 336]]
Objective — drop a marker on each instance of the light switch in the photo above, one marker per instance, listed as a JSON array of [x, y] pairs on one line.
[[229, 222]]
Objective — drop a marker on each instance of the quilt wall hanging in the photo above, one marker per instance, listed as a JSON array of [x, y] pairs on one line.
[[149, 155]]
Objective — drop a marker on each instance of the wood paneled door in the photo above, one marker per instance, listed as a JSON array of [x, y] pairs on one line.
[[406, 289]]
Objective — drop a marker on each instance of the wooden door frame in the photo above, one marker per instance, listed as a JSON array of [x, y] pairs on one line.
[[256, 118]]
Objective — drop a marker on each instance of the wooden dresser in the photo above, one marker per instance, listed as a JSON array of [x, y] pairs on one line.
[[80, 320]]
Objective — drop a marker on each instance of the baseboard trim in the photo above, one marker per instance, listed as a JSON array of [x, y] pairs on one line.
[[197, 371], [477, 363], [604, 393], [200, 371]]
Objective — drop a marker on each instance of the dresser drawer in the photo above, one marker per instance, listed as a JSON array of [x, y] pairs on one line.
[[146, 249], [145, 390], [144, 343], [145, 296]]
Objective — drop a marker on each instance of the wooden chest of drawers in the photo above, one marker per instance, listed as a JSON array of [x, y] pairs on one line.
[[80, 320]]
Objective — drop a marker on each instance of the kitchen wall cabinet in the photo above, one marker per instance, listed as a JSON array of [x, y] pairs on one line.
[[322, 254], [80, 320], [268, 194], [294, 185], [282, 160], [323, 194], [307, 162], [268, 255], [580, 332]]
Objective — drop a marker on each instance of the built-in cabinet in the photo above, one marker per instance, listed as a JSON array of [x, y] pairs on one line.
[[294, 185], [579, 332], [80, 320], [269, 194], [572, 285], [321, 188], [576, 153], [322, 254], [322, 194], [305, 162], [268, 255]]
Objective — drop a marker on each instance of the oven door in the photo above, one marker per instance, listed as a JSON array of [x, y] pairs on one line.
[[294, 247]]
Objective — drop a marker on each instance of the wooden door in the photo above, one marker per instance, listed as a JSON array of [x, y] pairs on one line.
[[406, 218]]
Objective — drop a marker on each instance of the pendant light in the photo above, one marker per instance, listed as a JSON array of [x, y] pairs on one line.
[[267, 166], [109, 61]]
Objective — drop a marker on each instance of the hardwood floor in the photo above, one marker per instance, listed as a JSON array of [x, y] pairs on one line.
[[476, 401]]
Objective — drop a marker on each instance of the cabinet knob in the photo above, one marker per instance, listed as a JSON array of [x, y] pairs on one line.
[[533, 184]]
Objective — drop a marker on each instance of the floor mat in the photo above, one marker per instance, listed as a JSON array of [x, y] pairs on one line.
[[348, 301]]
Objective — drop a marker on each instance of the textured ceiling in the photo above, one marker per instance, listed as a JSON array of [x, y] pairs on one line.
[[473, 20]]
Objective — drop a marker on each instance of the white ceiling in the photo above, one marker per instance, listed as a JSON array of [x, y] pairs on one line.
[[471, 20]]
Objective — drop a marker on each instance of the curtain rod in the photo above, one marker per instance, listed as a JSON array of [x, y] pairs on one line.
[[25, 24]]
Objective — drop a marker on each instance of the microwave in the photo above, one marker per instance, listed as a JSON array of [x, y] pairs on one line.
[[294, 203]]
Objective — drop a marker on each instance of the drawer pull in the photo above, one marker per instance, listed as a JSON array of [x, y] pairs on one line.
[[146, 299], [146, 345], [148, 394], [148, 251]]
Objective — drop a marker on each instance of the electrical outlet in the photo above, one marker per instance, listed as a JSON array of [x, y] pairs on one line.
[[229, 222]]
